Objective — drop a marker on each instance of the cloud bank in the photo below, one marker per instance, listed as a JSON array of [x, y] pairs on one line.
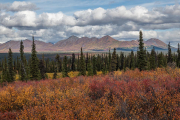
[[20, 21]]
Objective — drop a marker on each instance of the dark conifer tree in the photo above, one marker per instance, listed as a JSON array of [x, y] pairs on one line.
[[117, 65], [73, 63], [18, 65], [113, 61], [106, 62], [152, 60], [132, 61], [55, 72], [121, 61], [86, 61], [42, 69], [78, 64], [142, 63], [178, 57], [5, 73], [160, 60], [90, 68], [98, 63], [109, 64], [58, 63], [34, 66], [124, 66], [65, 69], [82, 64], [22, 71], [94, 65], [170, 59], [10, 66]]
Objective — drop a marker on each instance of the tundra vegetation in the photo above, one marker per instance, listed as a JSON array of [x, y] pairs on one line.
[[107, 86]]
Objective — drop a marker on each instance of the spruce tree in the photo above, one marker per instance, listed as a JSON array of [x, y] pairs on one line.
[[178, 57], [82, 64], [170, 59], [109, 64], [78, 65], [160, 60], [65, 69], [121, 61], [5, 73], [34, 69], [113, 61], [94, 66], [55, 73], [22, 68], [10, 66], [73, 62], [42, 69], [141, 54], [118, 65], [86, 61], [57, 62], [90, 68], [98, 62], [132, 61], [152, 59]]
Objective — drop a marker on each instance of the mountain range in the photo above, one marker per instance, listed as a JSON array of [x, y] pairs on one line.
[[74, 43]]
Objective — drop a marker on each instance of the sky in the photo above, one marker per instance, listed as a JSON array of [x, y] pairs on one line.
[[55, 20]]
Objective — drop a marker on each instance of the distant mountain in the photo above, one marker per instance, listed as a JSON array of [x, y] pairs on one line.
[[155, 42], [74, 43], [15, 45]]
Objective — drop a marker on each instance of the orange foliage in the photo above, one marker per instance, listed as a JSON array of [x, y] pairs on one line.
[[123, 95]]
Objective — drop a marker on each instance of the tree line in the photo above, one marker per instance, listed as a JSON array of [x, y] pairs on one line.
[[86, 64]]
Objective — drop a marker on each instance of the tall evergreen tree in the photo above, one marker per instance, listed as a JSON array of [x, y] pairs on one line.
[[58, 63], [42, 69], [90, 68], [118, 65], [170, 59], [22, 71], [160, 60], [73, 62], [152, 59], [5, 73], [55, 73], [78, 64], [65, 69], [109, 64], [82, 64], [10, 66], [86, 61], [94, 65], [132, 61], [113, 61], [98, 62], [142, 63], [178, 57], [34, 68], [121, 61]]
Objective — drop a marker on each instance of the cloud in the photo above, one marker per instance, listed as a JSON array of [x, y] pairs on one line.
[[19, 19], [22, 6], [18, 6], [120, 23]]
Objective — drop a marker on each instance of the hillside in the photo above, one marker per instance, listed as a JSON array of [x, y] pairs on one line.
[[74, 43]]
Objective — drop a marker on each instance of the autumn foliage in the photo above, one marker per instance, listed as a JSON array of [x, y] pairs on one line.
[[122, 95]]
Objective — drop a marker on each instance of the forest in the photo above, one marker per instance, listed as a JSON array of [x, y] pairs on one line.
[[145, 85]]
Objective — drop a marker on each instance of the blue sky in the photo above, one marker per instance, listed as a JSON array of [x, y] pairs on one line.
[[54, 20]]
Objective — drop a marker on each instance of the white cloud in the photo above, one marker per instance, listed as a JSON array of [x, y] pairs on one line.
[[120, 23], [17, 6], [22, 6], [19, 19]]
